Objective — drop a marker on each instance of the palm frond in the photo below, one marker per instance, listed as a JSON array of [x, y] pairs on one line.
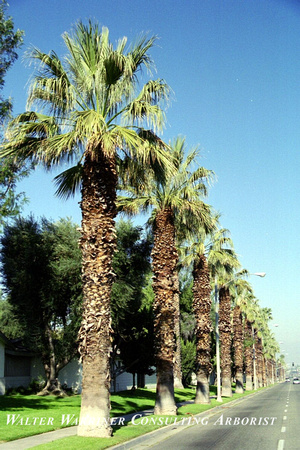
[[132, 206], [69, 181]]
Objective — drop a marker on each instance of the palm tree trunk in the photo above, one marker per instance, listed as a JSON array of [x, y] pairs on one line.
[[225, 341], [202, 311], [248, 356], [98, 242], [259, 362], [165, 258], [238, 340], [177, 362]]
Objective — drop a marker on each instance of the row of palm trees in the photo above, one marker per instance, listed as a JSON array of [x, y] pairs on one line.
[[88, 110]]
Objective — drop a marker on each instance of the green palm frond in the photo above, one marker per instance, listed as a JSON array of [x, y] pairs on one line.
[[88, 102], [69, 181], [139, 52], [51, 86], [132, 206], [146, 106], [177, 190]]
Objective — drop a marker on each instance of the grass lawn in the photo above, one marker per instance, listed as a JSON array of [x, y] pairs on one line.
[[22, 416]]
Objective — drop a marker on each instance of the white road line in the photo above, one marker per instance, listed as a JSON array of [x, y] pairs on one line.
[[284, 417], [283, 429], [280, 445], [285, 410]]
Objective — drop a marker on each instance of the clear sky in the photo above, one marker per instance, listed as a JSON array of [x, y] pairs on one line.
[[234, 67]]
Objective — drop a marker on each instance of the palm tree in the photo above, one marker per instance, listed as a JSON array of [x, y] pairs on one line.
[[177, 370], [207, 253], [225, 327], [225, 339], [174, 201], [241, 299], [248, 352], [89, 111], [251, 311], [262, 319], [271, 347], [202, 312], [238, 341]]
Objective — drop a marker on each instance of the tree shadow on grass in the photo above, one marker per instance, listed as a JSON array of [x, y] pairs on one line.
[[20, 402], [131, 401]]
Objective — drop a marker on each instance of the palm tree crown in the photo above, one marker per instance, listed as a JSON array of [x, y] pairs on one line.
[[88, 103], [180, 190]]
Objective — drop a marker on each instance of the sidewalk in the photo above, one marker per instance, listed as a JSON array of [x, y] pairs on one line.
[[145, 439]]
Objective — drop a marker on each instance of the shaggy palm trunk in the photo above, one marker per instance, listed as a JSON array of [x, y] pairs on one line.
[[273, 373], [177, 362], [248, 355], [264, 372], [259, 353], [238, 341], [225, 340], [202, 310], [269, 371], [98, 242], [164, 259]]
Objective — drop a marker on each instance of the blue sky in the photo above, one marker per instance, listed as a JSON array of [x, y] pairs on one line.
[[234, 67]]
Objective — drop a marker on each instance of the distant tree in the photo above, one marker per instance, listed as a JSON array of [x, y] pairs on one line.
[[41, 267], [9, 323], [10, 173], [132, 316], [186, 294], [11, 203], [10, 41], [188, 360]]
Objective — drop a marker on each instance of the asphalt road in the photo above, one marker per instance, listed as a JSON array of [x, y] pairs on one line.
[[267, 421]]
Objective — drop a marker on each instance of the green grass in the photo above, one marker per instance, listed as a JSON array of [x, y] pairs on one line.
[[32, 406], [52, 410]]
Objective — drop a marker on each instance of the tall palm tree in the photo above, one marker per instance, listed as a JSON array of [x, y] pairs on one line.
[[241, 299], [251, 312], [225, 327], [225, 339], [262, 319], [248, 352], [238, 341], [89, 110], [271, 347], [177, 369], [175, 200], [195, 255], [208, 253]]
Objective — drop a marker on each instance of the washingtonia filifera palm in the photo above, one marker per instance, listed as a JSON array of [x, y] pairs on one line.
[[206, 252], [271, 347], [174, 200], [262, 319], [89, 110], [242, 295], [251, 312], [226, 280]]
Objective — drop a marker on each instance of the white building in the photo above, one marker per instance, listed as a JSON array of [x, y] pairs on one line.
[[19, 367]]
